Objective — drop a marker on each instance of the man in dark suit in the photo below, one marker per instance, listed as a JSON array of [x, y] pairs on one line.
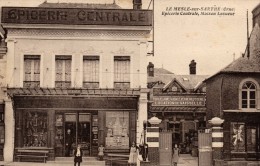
[[68, 142], [78, 155]]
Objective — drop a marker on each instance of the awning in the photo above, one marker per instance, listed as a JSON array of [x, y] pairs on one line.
[[178, 109]]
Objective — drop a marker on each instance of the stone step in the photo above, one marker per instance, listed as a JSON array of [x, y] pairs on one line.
[[72, 158]]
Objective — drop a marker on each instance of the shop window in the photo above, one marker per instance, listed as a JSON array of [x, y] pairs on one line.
[[31, 71], [91, 71], [35, 132], [122, 72], [63, 71], [117, 130], [237, 137], [251, 138], [248, 95]]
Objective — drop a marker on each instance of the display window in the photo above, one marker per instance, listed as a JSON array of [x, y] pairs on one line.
[[117, 130], [35, 132]]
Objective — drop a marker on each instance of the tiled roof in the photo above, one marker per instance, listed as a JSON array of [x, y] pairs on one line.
[[187, 81], [80, 5], [246, 64]]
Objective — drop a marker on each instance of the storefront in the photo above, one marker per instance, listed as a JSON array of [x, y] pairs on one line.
[[180, 101], [49, 122], [76, 77]]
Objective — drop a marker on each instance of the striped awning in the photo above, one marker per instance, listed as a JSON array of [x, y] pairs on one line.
[[177, 109]]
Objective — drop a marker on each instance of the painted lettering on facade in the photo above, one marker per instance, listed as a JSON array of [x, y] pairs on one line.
[[76, 16], [179, 101]]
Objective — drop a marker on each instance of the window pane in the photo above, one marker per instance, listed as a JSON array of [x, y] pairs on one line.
[[252, 103], [117, 130], [252, 94], [237, 137], [244, 94], [35, 133], [251, 138]]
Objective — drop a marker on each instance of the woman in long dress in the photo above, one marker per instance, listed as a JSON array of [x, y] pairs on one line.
[[176, 155], [133, 155]]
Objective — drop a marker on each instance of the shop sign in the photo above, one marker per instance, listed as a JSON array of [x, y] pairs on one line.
[[179, 101], [76, 16]]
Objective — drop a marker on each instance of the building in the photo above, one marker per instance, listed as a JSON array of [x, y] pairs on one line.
[[180, 101], [233, 95], [77, 71]]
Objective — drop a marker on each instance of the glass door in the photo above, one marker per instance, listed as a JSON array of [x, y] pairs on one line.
[[70, 133], [83, 135]]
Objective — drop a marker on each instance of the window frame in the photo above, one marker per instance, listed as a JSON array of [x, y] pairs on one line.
[[32, 58], [241, 90], [118, 84]]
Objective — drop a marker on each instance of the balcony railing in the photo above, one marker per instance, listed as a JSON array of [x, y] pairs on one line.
[[31, 84], [121, 85], [62, 84], [91, 85]]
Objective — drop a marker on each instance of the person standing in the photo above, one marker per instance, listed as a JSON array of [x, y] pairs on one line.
[[68, 142], [78, 155], [176, 155], [101, 152], [133, 155]]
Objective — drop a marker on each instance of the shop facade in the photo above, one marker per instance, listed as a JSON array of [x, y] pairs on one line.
[[180, 101], [75, 75]]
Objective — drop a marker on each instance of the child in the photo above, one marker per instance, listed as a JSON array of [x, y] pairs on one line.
[[101, 152], [78, 155]]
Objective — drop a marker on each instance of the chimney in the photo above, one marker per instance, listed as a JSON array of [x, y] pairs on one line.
[[192, 67], [150, 69], [137, 4]]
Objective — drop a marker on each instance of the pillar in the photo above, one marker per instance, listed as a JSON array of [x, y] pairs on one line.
[[9, 131], [152, 136], [217, 139]]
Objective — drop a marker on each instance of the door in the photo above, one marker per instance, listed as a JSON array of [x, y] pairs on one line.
[[77, 131], [165, 148], [205, 149]]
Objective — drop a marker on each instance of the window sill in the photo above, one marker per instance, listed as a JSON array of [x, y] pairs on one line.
[[243, 110]]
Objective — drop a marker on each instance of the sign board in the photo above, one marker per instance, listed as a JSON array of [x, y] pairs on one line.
[[76, 16], [179, 100]]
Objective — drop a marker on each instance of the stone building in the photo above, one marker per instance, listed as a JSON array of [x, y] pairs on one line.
[[233, 95], [75, 70]]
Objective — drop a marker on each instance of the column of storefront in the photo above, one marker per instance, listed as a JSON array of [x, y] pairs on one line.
[[142, 113], [9, 131]]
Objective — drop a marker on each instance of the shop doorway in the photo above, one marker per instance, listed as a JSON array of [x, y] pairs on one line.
[[77, 130]]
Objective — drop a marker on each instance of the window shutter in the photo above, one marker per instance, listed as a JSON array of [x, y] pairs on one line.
[[132, 126]]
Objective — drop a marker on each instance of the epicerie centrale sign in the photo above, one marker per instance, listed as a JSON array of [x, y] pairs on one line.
[[76, 16], [179, 101]]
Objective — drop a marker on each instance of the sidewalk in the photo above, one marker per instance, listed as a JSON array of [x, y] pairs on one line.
[[187, 160]]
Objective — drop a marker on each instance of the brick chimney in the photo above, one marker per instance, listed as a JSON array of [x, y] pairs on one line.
[[150, 69], [192, 67], [137, 4]]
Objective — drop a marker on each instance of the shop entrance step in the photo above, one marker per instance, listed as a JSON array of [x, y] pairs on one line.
[[86, 161]]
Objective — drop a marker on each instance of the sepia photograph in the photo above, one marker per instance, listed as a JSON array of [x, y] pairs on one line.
[[130, 82]]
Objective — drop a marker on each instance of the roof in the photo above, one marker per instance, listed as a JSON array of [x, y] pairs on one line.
[[187, 81], [246, 64], [80, 5]]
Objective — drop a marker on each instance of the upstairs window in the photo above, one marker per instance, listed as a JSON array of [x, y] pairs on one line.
[[248, 95], [31, 71], [122, 72], [63, 71], [91, 71]]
